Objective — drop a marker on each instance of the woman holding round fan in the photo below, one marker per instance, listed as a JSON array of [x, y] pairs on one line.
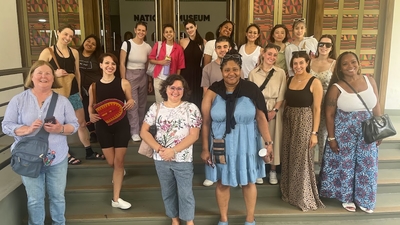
[[112, 93]]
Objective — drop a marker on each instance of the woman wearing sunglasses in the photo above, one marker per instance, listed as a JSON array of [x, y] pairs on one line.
[[322, 67], [300, 43], [234, 116], [178, 127]]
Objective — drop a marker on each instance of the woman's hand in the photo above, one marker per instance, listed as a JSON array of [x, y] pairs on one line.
[[167, 154], [378, 142], [150, 87], [94, 117], [53, 127], [60, 73], [313, 140], [271, 115], [129, 104], [269, 157], [164, 62], [205, 156], [334, 146], [35, 125]]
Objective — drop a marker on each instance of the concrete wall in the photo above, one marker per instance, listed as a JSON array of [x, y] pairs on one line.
[[393, 88]]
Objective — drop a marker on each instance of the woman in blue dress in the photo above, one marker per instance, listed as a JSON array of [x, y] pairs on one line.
[[349, 168], [234, 111]]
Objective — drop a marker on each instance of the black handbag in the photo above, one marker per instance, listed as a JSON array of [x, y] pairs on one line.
[[377, 127], [28, 154]]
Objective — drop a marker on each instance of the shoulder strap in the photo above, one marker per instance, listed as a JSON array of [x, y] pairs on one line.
[[271, 72], [94, 92], [42, 133], [128, 50], [365, 105], [53, 56], [308, 85]]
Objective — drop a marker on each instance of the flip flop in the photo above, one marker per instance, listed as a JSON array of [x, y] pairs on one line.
[[366, 210], [73, 161], [349, 206], [96, 156]]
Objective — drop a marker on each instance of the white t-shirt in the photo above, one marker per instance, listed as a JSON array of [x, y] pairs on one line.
[[138, 55], [308, 44], [167, 52], [209, 49], [249, 61]]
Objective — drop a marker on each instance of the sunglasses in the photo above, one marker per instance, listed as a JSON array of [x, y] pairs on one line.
[[299, 20], [232, 56], [299, 52], [327, 44], [173, 88], [270, 45]]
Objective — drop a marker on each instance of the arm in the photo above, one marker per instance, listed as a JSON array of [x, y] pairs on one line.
[[94, 117], [288, 57], [330, 111], [45, 55], [126, 87], [122, 59], [205, 131], [207, 59], [77, 71], [169, 153], [317, 91], [144, 131], [377, 109], [262, 125], [208, 51], [70, 122]]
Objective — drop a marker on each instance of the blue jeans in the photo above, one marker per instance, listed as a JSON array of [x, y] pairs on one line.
[[176, 188], [53, 179]]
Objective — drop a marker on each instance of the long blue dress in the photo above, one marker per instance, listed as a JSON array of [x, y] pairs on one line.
[[242, 144]]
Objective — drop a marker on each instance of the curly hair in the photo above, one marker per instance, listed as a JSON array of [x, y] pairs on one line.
[[337, 71], [169, 81], [222, 25]]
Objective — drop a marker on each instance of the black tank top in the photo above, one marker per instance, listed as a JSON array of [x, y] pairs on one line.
[[68, 64], [299, 98], [110, 90]]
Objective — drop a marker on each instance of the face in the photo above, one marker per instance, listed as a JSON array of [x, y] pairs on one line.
[[299, 30], [169, 34], [175, 91], [226, 30], [252, 34], [140, 31], [299, 65], [324, 50], [90, 45], [43, 77], [231, 73], [191, 29], [65, 36], [349, 65], [270, 56], [221, 48], [108, 65], [279, 34]]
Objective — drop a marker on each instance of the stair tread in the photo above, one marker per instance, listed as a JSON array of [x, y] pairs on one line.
[[149, 204]]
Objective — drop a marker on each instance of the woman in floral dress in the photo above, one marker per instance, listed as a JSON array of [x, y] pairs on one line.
[[178, 126]]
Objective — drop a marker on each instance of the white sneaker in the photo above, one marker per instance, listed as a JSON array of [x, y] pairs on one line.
[[120, 204], [259, 181], [272, 177], [136, 137], [207, 183]]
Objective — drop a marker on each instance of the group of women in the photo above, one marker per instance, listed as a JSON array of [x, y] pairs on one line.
[[277, 108]]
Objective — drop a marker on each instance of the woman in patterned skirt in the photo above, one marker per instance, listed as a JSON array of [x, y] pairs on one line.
[[350, 166], [300, 125]]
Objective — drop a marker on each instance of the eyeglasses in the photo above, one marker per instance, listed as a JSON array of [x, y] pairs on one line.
[[299, 20], [299, 52], [327, 44], [173, 88]]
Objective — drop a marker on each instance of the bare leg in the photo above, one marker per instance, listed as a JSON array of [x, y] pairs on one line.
[[250, 199], [115, 158], [223, 194], [175, 221], [83, 132]]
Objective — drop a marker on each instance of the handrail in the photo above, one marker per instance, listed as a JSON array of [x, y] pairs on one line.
[[8, 72]]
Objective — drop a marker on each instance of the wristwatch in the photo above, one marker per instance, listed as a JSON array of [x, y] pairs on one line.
[[275, 109], [269, 143], [314, 132], [62, 129], [331, 138]]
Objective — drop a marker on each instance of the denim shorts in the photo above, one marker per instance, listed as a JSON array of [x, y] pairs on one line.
[[76, 101]]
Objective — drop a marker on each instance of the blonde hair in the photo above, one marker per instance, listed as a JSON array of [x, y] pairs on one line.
[[39, 63]]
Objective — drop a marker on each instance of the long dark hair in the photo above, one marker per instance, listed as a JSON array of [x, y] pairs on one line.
[[257, 41], [337, 71], [332, 53], [198, 39], [97, 50], [223, 24], [271, 35]]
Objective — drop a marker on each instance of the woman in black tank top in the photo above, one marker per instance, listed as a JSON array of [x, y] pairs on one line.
[[113, 138], [300, 125]]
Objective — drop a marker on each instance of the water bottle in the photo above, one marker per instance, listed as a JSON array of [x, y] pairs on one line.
[[166, 67], [49, 158]]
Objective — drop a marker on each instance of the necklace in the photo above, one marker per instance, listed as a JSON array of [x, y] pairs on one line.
[[300, 80], [107, 80]]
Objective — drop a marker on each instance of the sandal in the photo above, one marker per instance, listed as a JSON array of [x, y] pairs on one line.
[[96, 156], [349, 206], [73, 161], [366, 210]]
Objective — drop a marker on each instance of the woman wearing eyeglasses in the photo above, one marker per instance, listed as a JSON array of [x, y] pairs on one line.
[[178, 127], [272, 82], [300, 43], [234, 115], [322, 67], [301, 118], [251, 50], [280, 36]]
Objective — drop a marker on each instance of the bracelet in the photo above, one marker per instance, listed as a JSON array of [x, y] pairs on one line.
[[175, 151], [314, 132], [62, 129], [275, 109], [268, 143], [331, 138]]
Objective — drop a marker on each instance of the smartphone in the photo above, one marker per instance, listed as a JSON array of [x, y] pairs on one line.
[[50, 120]]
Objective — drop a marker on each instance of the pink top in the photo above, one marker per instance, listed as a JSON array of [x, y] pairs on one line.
[[177, 58]]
